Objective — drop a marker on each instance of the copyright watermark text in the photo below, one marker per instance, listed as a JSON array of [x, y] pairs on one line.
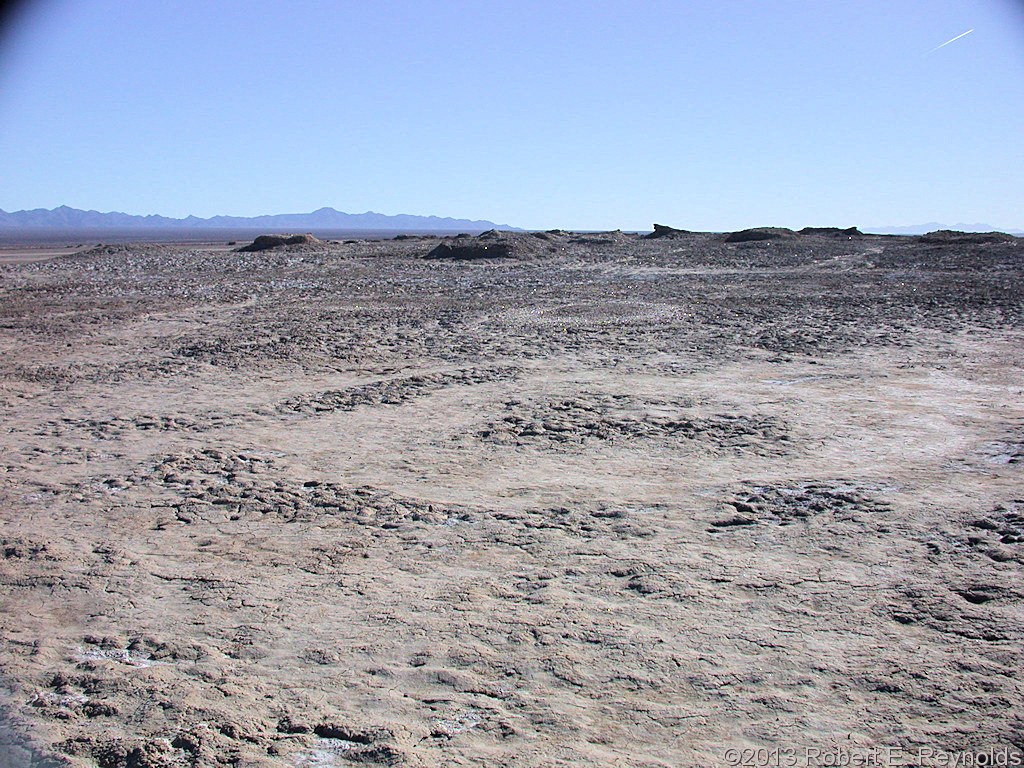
[[872, 757]]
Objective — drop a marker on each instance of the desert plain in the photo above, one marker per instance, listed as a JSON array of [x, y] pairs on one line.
[[541, 499]]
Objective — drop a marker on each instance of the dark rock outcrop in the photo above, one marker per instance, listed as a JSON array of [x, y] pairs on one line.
[[494, 244], [760, 233], [266, 242], [470, 251], [832, 231], [660, 230], [953, 237]]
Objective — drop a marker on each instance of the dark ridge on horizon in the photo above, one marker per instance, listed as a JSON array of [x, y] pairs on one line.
[[65, 217]]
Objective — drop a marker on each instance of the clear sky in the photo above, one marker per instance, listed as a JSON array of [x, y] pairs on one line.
[[585, 114]]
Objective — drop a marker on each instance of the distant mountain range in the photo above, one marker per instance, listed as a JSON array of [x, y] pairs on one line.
[[324, 218], [932, 226], [66, 218]]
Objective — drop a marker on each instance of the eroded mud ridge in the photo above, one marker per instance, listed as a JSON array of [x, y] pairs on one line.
[[393, 392], [617, 417], [785, 505], [540, 499]]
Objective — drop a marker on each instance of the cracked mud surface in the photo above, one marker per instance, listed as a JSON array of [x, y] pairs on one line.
[[587, 417], [622, 502]]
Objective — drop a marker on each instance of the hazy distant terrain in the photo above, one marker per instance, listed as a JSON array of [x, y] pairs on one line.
[[64, 217], [920, 229], [545, 499], [43, 224]]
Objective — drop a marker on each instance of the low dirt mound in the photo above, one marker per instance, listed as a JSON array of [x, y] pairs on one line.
[[110, 258], [123, 249], [495, 244], [760, 233], [470, 251], [832, 231], [953, 237], [266, 242], [615, 237]]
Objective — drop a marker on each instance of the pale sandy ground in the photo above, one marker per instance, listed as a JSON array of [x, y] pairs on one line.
[[621, 504], [13, 255]]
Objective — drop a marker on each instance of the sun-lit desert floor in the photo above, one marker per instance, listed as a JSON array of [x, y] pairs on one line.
[[605, 502]]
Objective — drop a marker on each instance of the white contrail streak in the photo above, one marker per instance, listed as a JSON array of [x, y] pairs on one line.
[[965, 34]]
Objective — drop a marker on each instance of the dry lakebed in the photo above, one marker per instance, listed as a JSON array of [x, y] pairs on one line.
[[517, 499]]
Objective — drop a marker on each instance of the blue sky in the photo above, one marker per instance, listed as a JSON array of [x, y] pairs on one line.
[[710, 115]]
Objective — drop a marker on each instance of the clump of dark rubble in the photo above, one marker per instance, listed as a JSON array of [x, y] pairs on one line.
[[496, 244], [953, 237], [787, 504], [760, 233], [267, 242], [832, 232], [660, 231]]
